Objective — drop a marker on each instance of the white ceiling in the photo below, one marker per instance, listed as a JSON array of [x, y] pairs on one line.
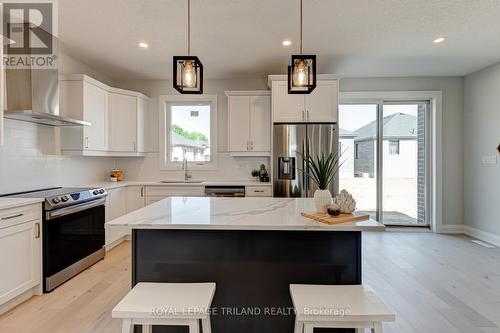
[[242, 38]]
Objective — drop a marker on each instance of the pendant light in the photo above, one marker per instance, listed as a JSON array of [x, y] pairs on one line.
[[302, 69], [188, 70]]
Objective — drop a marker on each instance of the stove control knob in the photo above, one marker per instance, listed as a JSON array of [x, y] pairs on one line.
[[56, 200], [101, 191], [96, 192], [64, 198]]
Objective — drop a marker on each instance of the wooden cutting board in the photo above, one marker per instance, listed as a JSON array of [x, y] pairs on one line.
[[342, 218]]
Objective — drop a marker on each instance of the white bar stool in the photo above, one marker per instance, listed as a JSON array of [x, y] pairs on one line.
[[166, 304], [349, 306]]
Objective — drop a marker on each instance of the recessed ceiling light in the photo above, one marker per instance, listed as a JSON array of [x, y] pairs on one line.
[[143, 45], [286, 42], [439, 40]]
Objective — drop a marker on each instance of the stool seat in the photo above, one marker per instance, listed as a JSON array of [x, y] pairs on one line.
[[338, 306], [169, 304]]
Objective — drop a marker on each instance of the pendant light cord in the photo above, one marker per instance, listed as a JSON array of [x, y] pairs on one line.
[[300, 44], [189, 28]]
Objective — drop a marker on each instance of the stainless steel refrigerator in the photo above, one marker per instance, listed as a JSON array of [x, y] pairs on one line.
[[291, 143]]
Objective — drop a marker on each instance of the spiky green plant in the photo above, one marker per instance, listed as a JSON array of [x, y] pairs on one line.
[[322, 168]]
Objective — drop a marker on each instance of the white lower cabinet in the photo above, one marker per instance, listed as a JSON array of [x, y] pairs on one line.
[[258, 191], [116, 206], [135, 198], [156, 193], [20, 253]]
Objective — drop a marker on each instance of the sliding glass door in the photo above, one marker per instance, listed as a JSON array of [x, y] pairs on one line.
[[386, 169], [357, 142]]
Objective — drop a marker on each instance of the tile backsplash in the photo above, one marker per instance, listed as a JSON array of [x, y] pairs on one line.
[[30, 159]]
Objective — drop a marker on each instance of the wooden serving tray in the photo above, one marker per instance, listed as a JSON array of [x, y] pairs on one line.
[[342, 218]]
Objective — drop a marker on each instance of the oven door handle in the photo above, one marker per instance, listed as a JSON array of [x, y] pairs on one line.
[[73, 209]]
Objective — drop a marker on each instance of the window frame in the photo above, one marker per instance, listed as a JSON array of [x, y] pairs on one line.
[[165, 126], [395, 143]]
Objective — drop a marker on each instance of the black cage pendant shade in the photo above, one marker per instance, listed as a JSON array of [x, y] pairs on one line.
[[302, 69], [188, 70]]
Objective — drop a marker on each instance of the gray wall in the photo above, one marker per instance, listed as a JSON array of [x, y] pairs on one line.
[[453, 122], [482, 136]]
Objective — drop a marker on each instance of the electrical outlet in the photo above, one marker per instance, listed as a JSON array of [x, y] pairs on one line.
[[490, 159]]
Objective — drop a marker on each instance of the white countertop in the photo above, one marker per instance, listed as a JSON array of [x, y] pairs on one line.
[[111, 185], [202, 213], [18, 202]]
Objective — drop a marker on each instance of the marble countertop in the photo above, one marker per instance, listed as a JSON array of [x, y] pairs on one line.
[[111, 185], [18, 202], [200, 213]]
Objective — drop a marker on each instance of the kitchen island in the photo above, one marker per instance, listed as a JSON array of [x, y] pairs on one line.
[[252, 248]]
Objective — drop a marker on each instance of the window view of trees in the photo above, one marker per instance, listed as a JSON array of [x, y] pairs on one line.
[[195, 136]]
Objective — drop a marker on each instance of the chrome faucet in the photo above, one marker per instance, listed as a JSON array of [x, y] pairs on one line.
[[187, 176]]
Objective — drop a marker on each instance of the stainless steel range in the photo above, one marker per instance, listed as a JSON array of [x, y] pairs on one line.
[[73, 231]]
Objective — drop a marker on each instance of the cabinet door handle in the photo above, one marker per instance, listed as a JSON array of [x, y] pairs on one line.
[[248, 145], [135, 146], [142, 191], [11, 217], [86, 142], [307, 113], [37, 230], [303, 115]]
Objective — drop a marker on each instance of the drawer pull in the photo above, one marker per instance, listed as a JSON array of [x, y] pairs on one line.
[[259, 191], [11, 217]]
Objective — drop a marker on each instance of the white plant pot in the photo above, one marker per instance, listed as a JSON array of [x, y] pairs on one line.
[[322, 199]]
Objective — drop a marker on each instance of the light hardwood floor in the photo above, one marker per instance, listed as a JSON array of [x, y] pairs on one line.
[[434, 283]]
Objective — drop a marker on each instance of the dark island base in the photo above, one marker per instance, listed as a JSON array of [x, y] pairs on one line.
[[252, 269]]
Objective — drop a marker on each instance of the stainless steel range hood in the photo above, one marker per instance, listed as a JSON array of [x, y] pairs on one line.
[[32, 95]]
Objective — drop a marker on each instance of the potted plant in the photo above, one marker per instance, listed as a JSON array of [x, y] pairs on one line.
[[322, 169]]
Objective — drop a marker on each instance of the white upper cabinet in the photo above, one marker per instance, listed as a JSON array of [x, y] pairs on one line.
[[322, 103], [249, 123], [239, 123], [122, 122], [83, 98], [319, 106], [117, 118], [260, 123], [287, 108]]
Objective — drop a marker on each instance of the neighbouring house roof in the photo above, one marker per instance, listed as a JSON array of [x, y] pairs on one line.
[[396, 126], [180, 141], [345, 134]]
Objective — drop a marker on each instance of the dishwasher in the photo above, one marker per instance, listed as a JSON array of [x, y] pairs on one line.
[[225, 191]]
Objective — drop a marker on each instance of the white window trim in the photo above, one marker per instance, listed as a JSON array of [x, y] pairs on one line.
[[163, 100], [436, 126]]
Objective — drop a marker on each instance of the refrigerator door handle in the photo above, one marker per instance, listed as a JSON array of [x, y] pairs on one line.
[[304, 167]]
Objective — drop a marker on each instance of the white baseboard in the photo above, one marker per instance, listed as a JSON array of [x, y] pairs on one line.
[[451, 229], [16, 301], [487, 237], [117, 242]]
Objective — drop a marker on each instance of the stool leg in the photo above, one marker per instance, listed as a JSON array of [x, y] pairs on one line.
[[127, 326], [308, 328], [194, 326], [299, 327], [206, 326], [147, 329], [377, 328]]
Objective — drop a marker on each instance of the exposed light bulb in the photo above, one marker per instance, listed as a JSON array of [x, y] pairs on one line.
[[301, 74], [189, 74]]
